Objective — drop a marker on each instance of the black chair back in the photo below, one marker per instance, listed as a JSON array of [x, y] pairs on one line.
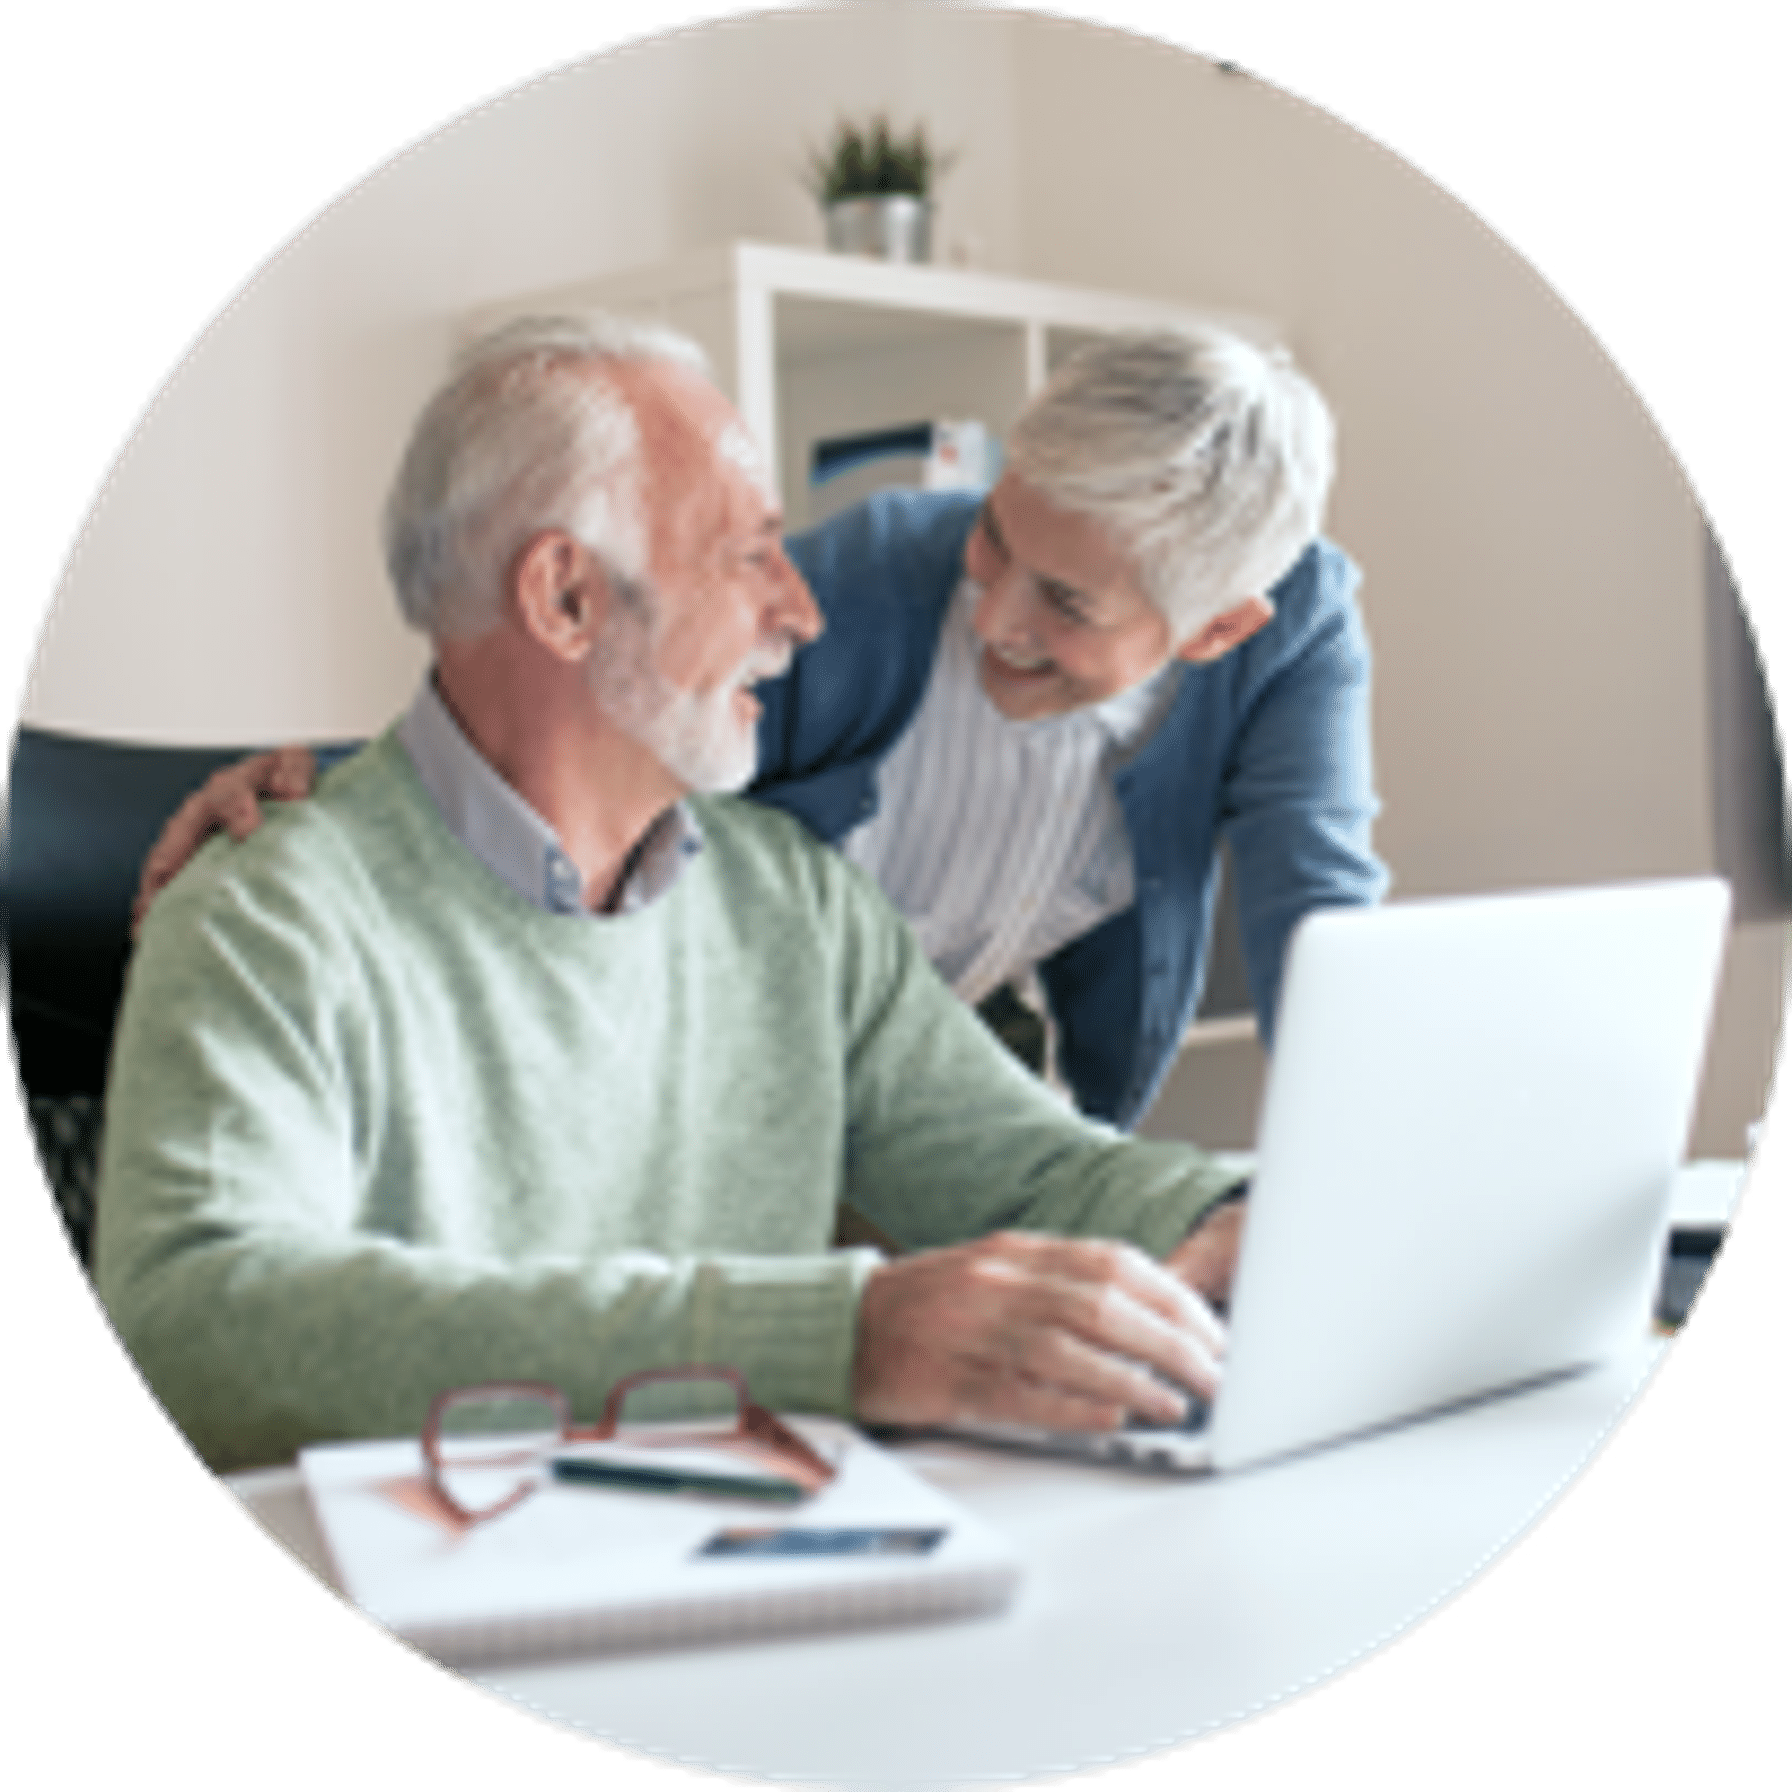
[[80, 816]]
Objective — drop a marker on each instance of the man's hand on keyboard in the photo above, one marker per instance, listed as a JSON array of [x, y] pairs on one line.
[[1066, 1333]]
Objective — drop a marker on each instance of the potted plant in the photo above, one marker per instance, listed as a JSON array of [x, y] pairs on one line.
[[875, 189]]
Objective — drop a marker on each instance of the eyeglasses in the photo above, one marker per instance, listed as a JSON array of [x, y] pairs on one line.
[[487, 1448]]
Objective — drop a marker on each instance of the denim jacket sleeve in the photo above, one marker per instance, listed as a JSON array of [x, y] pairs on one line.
[[882, 573], [1267, 750], [1300, 801]]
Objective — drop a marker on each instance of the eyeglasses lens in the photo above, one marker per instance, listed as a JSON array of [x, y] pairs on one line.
[[690, 1409], [492, 1447]]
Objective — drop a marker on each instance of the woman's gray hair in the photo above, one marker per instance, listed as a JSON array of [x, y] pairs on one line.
[[525, 435], [1208, 459]]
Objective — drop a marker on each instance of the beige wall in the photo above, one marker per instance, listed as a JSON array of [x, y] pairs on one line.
[[1533, 558], [229, 587]]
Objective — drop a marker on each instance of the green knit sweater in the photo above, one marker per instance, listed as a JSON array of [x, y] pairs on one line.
[[376, 1126]]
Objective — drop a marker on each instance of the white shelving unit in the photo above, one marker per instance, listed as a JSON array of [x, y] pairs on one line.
[[811, 344]]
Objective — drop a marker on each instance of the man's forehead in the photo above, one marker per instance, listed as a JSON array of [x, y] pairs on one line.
[[687, 413], [736, 447]]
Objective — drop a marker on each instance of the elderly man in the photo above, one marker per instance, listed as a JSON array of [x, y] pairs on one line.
[[508, 1056], [1034, 719]]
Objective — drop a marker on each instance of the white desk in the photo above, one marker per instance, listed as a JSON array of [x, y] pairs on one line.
[[1151, 1609]]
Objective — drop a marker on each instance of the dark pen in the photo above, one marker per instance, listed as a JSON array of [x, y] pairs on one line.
[[657, 1478]]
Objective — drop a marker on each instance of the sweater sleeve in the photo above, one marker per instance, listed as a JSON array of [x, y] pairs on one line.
[[949, 1137], [272, 1298]]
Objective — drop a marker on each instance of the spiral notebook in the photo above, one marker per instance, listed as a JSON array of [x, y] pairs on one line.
[[578, 1569]]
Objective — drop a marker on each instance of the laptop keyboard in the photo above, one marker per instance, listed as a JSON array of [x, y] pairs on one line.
[[1194, 1420]]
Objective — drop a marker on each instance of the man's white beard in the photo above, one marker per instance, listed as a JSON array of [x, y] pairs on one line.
[[700, 738]]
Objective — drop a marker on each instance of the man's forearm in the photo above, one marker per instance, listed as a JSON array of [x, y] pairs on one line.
[[950, 1138], [260, 1344]]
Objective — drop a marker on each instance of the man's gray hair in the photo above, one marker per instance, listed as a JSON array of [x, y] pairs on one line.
[[527, 434], [1208, 459]]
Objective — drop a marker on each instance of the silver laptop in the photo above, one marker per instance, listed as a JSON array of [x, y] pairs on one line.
[[1474, 1113]]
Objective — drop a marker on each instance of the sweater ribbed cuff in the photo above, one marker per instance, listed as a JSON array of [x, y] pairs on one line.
[[1163, 1220], [790, 1325]]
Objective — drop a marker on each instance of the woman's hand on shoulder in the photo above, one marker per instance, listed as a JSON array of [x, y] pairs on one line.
[[229, 800]]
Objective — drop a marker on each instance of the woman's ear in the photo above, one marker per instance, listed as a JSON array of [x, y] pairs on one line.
[[1218, 635]]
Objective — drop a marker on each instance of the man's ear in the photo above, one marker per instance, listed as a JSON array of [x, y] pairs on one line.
[[560, 594], [1219, 634]]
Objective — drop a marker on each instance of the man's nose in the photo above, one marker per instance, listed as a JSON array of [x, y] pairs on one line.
[[794, 608]]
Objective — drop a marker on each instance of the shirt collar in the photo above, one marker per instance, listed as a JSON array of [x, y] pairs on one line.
[[1130, 718], [509, 838]]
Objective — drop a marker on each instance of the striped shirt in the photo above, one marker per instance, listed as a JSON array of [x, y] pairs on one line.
[[1001, 841]]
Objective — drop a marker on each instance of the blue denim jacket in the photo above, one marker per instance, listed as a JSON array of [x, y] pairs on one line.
[[1267, 748]]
